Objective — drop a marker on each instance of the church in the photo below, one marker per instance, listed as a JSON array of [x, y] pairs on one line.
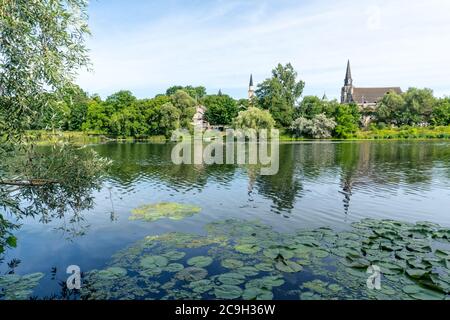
[[364, 97]]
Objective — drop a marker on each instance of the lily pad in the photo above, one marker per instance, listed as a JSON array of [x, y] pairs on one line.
[[232, 263], [288, 266], [201, 286], [174, 267], [257, 294], [247, 248], [170, 210], [200, 261], [174, 255], [112, 273], [191, 274], [151, 262], [228, 292], [231, 278]]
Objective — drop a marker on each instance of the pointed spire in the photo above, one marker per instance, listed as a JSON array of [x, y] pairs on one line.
[[251, 80], [348, 75], [324, 98]]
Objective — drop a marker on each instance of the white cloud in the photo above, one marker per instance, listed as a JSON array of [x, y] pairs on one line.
[[406, 44]]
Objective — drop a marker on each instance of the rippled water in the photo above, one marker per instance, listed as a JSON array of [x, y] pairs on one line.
[[319, 184]]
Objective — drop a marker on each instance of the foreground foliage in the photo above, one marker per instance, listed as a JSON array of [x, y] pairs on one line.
[[248, 260]]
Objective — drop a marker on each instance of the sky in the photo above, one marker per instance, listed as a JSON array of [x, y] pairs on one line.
[[146, 46]]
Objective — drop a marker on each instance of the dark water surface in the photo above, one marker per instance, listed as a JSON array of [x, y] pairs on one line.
[[319, 184]]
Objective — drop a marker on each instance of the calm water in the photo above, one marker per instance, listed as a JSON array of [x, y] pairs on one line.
[[318, 185]]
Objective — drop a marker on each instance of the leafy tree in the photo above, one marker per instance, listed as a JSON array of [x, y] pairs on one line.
[[194, 92], [97, 116], [254, 118], [220, 109], [441, 113], [310, 107], [129, 122], [42, 44], [280, 93], [168, 119], [41, 47], [186, 105], [418, 106], [319, 127], [120, 100], [347, 118], [391, 105]]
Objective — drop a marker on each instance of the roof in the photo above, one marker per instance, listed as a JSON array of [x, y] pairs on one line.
[[348, 74], [372, 95], [251, 80]]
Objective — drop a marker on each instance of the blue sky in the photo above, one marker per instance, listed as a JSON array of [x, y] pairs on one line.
[[147, 46]]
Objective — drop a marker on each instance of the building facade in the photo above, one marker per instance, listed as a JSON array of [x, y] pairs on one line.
[[364, 97]]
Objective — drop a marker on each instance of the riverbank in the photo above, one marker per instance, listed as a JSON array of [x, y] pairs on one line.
[[42, 137]]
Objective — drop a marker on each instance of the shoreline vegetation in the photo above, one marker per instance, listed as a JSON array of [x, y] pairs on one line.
[[276, 103], [43, 137]]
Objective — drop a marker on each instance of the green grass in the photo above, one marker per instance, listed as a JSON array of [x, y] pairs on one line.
[[405, 133], [43, 137]]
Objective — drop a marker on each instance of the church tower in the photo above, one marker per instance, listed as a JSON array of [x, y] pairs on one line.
[[251, 89], [347, 89]]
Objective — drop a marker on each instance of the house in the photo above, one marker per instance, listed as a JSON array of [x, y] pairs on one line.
[[199, 119]]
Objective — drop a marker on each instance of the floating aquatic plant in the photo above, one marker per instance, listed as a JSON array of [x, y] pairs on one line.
[[16, 287], [227, 292], [414, 261], [170, 210], [200, 261]]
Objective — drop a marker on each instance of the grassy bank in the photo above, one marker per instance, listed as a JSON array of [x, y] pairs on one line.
[[43, 137], [405, 133]]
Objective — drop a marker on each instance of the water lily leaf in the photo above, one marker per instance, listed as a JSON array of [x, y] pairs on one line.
[[112, 273], [257, 294], [200, 261], [318, 253], [231, 278], [247, 248], [412, 289], [174, 267], [416, 273], [174, 255], [288, 266], [278, 253], [267, 267], [150, 262], [248, 271], [170, 210], [227, 292], [191, 274], [232, 263], [201, 286]]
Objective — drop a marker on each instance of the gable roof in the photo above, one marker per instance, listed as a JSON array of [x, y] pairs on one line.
[[372, 95]]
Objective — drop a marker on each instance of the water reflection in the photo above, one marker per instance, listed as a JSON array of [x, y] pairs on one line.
[[360, 167]]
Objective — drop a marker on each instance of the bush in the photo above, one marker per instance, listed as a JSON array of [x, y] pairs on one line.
[[254, 118], [320, 127]]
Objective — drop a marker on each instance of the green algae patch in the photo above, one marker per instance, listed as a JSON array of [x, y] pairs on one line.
[[163, 210]]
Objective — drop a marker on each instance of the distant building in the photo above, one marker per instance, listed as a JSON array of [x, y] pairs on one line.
[[364, 97], [251, 89], [199, 119]]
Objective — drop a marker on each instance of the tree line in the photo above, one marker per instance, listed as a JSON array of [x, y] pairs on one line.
[[277, 103]]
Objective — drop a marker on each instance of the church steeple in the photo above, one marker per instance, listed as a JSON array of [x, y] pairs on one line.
[[348, 75], [251, 88]]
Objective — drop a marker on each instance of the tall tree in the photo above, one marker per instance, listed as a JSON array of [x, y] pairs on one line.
[[220, 109], [279, 94], [42, 44]]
